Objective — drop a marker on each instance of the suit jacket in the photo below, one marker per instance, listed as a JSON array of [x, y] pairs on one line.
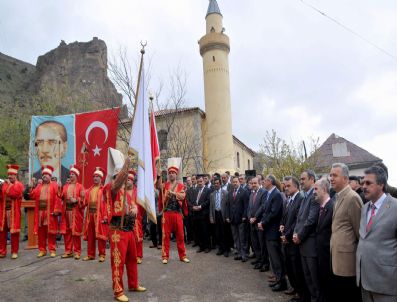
[[204, 202], [253, 207], [224, 209], [290, 215], [272, 211], [190, 193], [306, 225], [376, 262], [237, 206], [323, 236], [345, 227]]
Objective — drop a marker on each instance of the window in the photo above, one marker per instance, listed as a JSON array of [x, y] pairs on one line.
[[213, 58], [162, 136], [238, 160], [249, 165]]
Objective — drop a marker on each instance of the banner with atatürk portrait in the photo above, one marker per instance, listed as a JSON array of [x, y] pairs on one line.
[[82, 139]]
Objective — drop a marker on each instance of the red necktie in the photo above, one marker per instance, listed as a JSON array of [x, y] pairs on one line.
[[369, 224], [234, 194]]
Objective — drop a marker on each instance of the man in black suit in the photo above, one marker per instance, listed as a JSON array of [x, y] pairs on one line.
[[190, 193], [305, 234], [272, 210], [237, 205], [254, 204], [292, 256], [218, 214], [200, 215], [323, 238]]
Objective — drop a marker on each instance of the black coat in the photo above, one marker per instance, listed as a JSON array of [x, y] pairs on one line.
[[204, 202], [290, 215], [237, 206], [272, 211], [252, 208], [323, 236]]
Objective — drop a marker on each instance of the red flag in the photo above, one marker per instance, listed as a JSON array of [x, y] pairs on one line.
[[95, 133], [154, 142]]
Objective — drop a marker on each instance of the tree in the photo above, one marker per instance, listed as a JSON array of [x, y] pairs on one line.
[[281, 159]]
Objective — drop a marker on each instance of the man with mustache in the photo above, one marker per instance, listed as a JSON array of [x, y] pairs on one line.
[[51, 146], [377, 247]]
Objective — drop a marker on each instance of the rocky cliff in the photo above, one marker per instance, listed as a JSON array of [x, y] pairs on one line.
[[75, 72]]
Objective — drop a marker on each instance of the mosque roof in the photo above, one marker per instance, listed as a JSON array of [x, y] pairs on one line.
[[213, 8]]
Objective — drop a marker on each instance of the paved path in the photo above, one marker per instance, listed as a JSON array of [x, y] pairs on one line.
[[207, 278]]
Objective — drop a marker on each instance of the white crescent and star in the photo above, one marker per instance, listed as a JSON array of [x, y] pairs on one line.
[[100, 125]]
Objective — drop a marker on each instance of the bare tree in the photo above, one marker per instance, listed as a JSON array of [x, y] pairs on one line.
[[278, 157]]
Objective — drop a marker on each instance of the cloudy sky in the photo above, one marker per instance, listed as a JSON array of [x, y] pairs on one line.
[[291, 68]]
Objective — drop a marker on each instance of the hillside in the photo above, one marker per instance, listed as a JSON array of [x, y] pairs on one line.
[[68, 79]]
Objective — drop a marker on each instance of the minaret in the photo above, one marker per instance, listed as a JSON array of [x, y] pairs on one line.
[[215, 48]]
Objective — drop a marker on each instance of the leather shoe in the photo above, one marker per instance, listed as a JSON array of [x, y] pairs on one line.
[[280, 286], [139, 289], [244, 260], [254, 262], [40, 254], [207, 251], [238, 258], [226, 254], [165, 261], [258, 266], [218, 253], [200, 250], [291, 291], [14, 256], [185, 259], [266, 268], [122, 298]]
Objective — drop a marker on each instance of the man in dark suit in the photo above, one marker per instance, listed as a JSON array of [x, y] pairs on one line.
[[305, 234], [190, 193], [255, 201], [200, 215], [292, 256], [237, 216], [323, 238], [218, 213], [272, 210]]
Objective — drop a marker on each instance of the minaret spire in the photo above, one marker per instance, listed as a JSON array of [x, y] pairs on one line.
[[213, 8]]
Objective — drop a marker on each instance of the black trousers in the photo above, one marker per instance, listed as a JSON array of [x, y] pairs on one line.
[[293, 266], [201, 230], [276, 260], [156, 232], [310, 270], [223, 233], [187, 221], [255, 241], [345, 289], [264, 251]]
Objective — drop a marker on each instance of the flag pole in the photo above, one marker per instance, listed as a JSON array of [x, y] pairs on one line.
[[143, 44]]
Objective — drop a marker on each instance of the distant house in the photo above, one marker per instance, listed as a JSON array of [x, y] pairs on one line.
[[337, 149]]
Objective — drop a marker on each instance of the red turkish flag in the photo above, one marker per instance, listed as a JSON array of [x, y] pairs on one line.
[[95, 133], [154, 142]]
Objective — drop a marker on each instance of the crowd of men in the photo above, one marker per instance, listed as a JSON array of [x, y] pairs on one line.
[[327, 239]]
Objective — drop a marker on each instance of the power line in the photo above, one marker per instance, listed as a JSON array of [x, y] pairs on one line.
[[349, 30]]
